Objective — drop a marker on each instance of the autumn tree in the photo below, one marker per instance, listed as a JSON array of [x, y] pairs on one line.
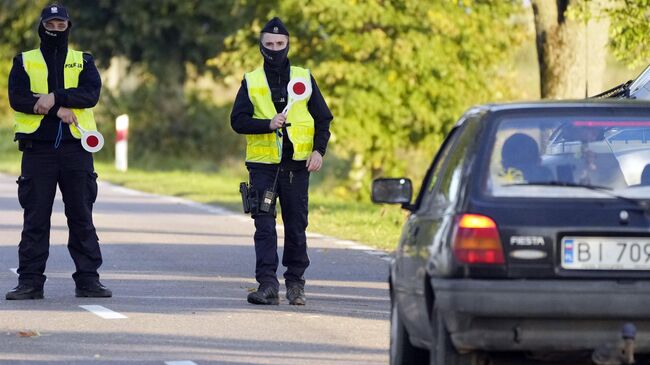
[[163, 36], [630, 31], [160, 41]]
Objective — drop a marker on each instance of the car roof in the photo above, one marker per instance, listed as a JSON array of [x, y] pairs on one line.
[[544, 105]]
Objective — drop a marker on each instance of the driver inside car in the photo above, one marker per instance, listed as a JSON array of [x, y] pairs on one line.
[[521, 162]]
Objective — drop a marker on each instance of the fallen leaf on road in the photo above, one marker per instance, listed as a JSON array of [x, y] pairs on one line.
[[28, 334]]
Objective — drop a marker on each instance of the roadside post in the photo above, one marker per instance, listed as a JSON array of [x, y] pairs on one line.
[[121, 144]]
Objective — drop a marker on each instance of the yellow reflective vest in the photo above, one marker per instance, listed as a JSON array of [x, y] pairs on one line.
[[267, 148], [36, 69]]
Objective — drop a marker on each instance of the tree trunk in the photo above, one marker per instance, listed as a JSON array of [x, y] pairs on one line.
[[571, 53]]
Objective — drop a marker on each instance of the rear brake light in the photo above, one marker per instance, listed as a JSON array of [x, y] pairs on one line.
[[477, 240]]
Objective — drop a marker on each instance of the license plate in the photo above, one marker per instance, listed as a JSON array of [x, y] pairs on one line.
[[606, 253]]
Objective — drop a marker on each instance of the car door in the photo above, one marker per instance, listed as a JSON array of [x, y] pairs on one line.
[[446, 200], [430, 223], [411, 253]]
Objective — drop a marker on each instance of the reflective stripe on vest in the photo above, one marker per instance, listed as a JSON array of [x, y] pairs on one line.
[[36, 69], [267, 148]]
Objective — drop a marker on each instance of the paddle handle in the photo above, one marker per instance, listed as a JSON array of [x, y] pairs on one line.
[[286, 108], [79, 128]]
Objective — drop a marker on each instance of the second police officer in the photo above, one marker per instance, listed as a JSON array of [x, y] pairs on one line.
[[289, 152]]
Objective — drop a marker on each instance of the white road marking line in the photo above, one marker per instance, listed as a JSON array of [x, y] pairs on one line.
[[183, 362], [359, 248], [205, 207], [376, 253], [345, 242], [352, 245], [14, 270], [103, 312], [126, 191]]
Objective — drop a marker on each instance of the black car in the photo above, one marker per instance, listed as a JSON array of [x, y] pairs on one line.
[[529, 238]]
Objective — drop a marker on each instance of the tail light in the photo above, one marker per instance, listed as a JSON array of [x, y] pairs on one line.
[[477, 240]]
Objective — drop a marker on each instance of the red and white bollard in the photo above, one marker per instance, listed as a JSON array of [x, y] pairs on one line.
[[121, 145]]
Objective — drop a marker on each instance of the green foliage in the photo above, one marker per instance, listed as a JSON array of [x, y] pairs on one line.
[[397, 74], [18, 24], [161, 40], [630, 31], [5, 110], [162, 35]]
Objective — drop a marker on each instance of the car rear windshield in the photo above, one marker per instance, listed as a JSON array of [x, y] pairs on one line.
[[572, 156]]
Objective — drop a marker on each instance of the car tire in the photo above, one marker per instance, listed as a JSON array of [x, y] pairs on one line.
[[402, 352], [444, 352]]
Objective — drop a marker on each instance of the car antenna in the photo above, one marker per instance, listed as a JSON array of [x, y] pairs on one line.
[[586, 61]]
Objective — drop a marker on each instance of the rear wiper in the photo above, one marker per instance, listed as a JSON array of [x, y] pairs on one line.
[[643, 204]]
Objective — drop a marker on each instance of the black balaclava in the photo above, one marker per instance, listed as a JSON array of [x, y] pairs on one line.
[[54, 39], [50, 38], [274, 59]]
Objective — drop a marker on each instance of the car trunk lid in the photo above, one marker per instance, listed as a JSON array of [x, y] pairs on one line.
[[544, 239]]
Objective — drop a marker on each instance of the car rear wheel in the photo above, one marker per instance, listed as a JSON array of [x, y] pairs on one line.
[[444, 352], [402, 352]]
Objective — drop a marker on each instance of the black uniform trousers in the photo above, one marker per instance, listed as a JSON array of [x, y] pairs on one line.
[[43, 167], [292, 189]]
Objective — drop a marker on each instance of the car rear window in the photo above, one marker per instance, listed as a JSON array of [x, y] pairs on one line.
[[573, 156]]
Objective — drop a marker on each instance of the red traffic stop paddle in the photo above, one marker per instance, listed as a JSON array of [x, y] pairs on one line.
[[298, 89], [91, 141]]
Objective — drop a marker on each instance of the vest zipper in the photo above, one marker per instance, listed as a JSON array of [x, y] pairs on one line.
[[56, 70], [59, 134]]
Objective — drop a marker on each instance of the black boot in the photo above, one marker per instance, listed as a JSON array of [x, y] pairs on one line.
[[93, 289], [296, 295], [24, 291], [264, 295]]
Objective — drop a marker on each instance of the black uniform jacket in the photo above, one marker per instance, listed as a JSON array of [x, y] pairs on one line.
[[85, 95], [242, 121]]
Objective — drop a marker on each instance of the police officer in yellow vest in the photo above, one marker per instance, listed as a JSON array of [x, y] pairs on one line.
[[287, 147], [51, 89]]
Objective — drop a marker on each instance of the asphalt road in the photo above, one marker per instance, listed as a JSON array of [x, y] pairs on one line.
[[180, 273]]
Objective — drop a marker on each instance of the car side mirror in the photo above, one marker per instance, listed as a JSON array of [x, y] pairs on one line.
[[392, 191]]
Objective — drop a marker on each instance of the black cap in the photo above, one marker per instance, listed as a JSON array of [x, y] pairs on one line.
[[54, 11], [275, 26]]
